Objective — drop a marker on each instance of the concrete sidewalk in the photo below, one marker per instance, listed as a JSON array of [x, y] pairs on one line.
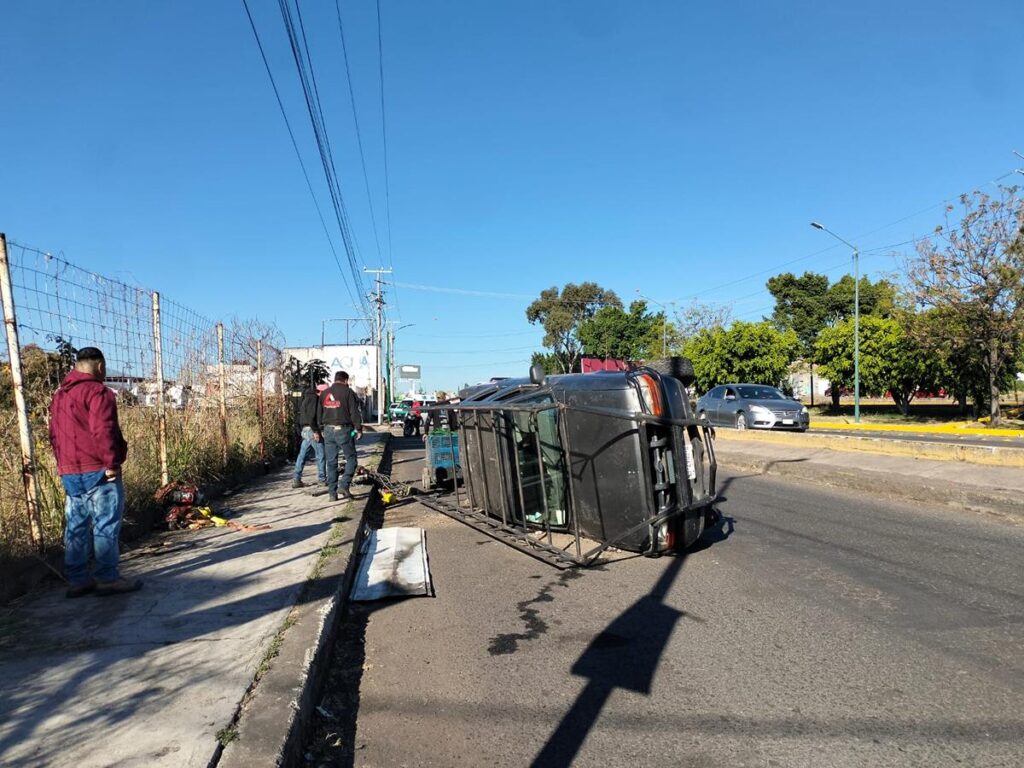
[[973, 487], [156, 678]]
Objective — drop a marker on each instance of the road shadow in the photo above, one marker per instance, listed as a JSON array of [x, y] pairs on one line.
[[625, 655]]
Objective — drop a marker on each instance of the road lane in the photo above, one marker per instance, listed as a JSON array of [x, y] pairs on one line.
[[814, 628]]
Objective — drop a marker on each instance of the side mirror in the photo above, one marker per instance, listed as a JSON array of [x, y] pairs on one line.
[[537, 374]]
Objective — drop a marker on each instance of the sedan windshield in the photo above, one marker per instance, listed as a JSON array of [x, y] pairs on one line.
[[760, 393]]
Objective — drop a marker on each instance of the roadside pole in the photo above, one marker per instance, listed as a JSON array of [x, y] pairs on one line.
[[259, 398], [223, 396], [28, 459], [379, 301], [161, 413]]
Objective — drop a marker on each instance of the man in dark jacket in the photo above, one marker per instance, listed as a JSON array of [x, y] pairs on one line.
[[90, 449], [311, 438], [341, 422]]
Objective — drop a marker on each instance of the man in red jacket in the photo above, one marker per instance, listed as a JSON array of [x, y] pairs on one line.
[[90, 449]]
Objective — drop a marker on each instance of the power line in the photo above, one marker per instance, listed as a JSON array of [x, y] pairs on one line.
[[295, 29], [355, 120], [384, 131], [295, 145]]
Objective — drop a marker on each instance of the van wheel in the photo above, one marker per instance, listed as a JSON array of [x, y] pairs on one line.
[[741, 420]]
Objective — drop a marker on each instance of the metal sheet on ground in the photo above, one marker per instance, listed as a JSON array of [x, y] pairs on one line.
[[394, 564]]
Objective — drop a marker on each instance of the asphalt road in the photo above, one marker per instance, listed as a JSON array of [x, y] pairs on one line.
[[927, 437], [813, 628]]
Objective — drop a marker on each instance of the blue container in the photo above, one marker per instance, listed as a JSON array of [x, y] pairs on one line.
[[442, 451]]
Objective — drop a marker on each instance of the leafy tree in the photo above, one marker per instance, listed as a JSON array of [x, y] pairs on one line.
[[801, 305], [562, 312], [757, 353], [615, 333], [890, 360], [548, 360], [974, 271], [299, 375], [878, 298]]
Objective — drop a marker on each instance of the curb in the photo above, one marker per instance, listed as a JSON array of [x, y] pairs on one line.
[[1007, 504], [960, 428], [275, 713], [993, 456]]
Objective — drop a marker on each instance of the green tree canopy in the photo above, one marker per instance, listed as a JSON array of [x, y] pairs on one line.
[[615, 333], [562, 312], [758, 353], [876, 298], [890, 360], [802, 306]]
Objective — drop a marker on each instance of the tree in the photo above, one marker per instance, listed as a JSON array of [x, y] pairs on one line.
[[700, 317], [877, 298], [802, 306], [615, 333], [890, 360], [561, 313], [757, 353], [549, 361], [299, 375], [974, 271]]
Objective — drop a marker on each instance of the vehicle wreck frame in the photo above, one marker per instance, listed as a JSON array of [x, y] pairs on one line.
[[675, 472]]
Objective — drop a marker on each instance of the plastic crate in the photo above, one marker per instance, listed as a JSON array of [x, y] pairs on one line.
[[442, 450]]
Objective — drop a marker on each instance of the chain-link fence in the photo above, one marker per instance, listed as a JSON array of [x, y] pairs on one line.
[[199, 401]]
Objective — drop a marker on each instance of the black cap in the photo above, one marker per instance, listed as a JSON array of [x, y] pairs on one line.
[[89, 353]]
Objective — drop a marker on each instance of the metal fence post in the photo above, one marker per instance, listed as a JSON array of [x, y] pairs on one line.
[[161, 413], [28, 463], [259, 397], [223, 395]]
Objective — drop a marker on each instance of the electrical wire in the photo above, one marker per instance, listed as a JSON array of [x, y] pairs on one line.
[[295, 146], [384, 130]]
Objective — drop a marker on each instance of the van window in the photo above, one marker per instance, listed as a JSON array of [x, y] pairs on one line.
[[527, 430]]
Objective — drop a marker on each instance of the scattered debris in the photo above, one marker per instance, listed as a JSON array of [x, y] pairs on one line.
[[186, 510]]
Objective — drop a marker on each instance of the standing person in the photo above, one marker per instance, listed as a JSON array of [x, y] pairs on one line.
[[311, 437], [341, 422], [416, 410], [90, 450]]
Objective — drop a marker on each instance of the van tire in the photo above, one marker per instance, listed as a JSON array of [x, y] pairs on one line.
[[678, 367]]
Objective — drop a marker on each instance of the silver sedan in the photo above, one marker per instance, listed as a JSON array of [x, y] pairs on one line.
[[752, 406]]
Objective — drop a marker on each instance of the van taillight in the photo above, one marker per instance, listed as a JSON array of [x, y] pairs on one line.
[[651, 393]]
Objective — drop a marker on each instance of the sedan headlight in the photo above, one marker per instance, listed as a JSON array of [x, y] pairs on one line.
[[762, 412]]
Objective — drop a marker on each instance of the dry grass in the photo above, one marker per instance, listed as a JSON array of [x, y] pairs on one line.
[[194, 454]]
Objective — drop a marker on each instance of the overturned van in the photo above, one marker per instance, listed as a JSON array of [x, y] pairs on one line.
[[614, 457]]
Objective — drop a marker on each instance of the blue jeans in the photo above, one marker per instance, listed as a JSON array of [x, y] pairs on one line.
[[318, 450], [336, 440], [92, 525]]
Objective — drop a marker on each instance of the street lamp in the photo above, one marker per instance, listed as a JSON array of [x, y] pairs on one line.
[[664, 322], [856, 318], [391, 352]]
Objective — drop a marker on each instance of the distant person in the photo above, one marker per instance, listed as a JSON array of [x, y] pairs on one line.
[[441, 419], [311, 437], [90, 450], [416, 409], [341, 423]]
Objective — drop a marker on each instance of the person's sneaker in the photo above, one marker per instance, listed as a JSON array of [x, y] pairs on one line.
[[332, 497], [322, 482], [345, 494], [298, 483], [118, 587], [80, 590]]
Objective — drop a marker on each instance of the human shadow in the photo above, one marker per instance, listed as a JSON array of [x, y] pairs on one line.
[[625, 655]]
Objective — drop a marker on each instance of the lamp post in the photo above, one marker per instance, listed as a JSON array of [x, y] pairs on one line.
[[664, 321], [391, 352], [856, 318]]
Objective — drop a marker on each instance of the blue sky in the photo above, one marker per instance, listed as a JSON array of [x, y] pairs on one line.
[[676, 148]]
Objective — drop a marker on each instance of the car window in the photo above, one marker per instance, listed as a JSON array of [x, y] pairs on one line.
[[730, 391], [716, 393], [760, 393]]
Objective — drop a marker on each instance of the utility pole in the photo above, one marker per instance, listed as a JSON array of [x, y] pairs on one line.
[[379, 301]]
